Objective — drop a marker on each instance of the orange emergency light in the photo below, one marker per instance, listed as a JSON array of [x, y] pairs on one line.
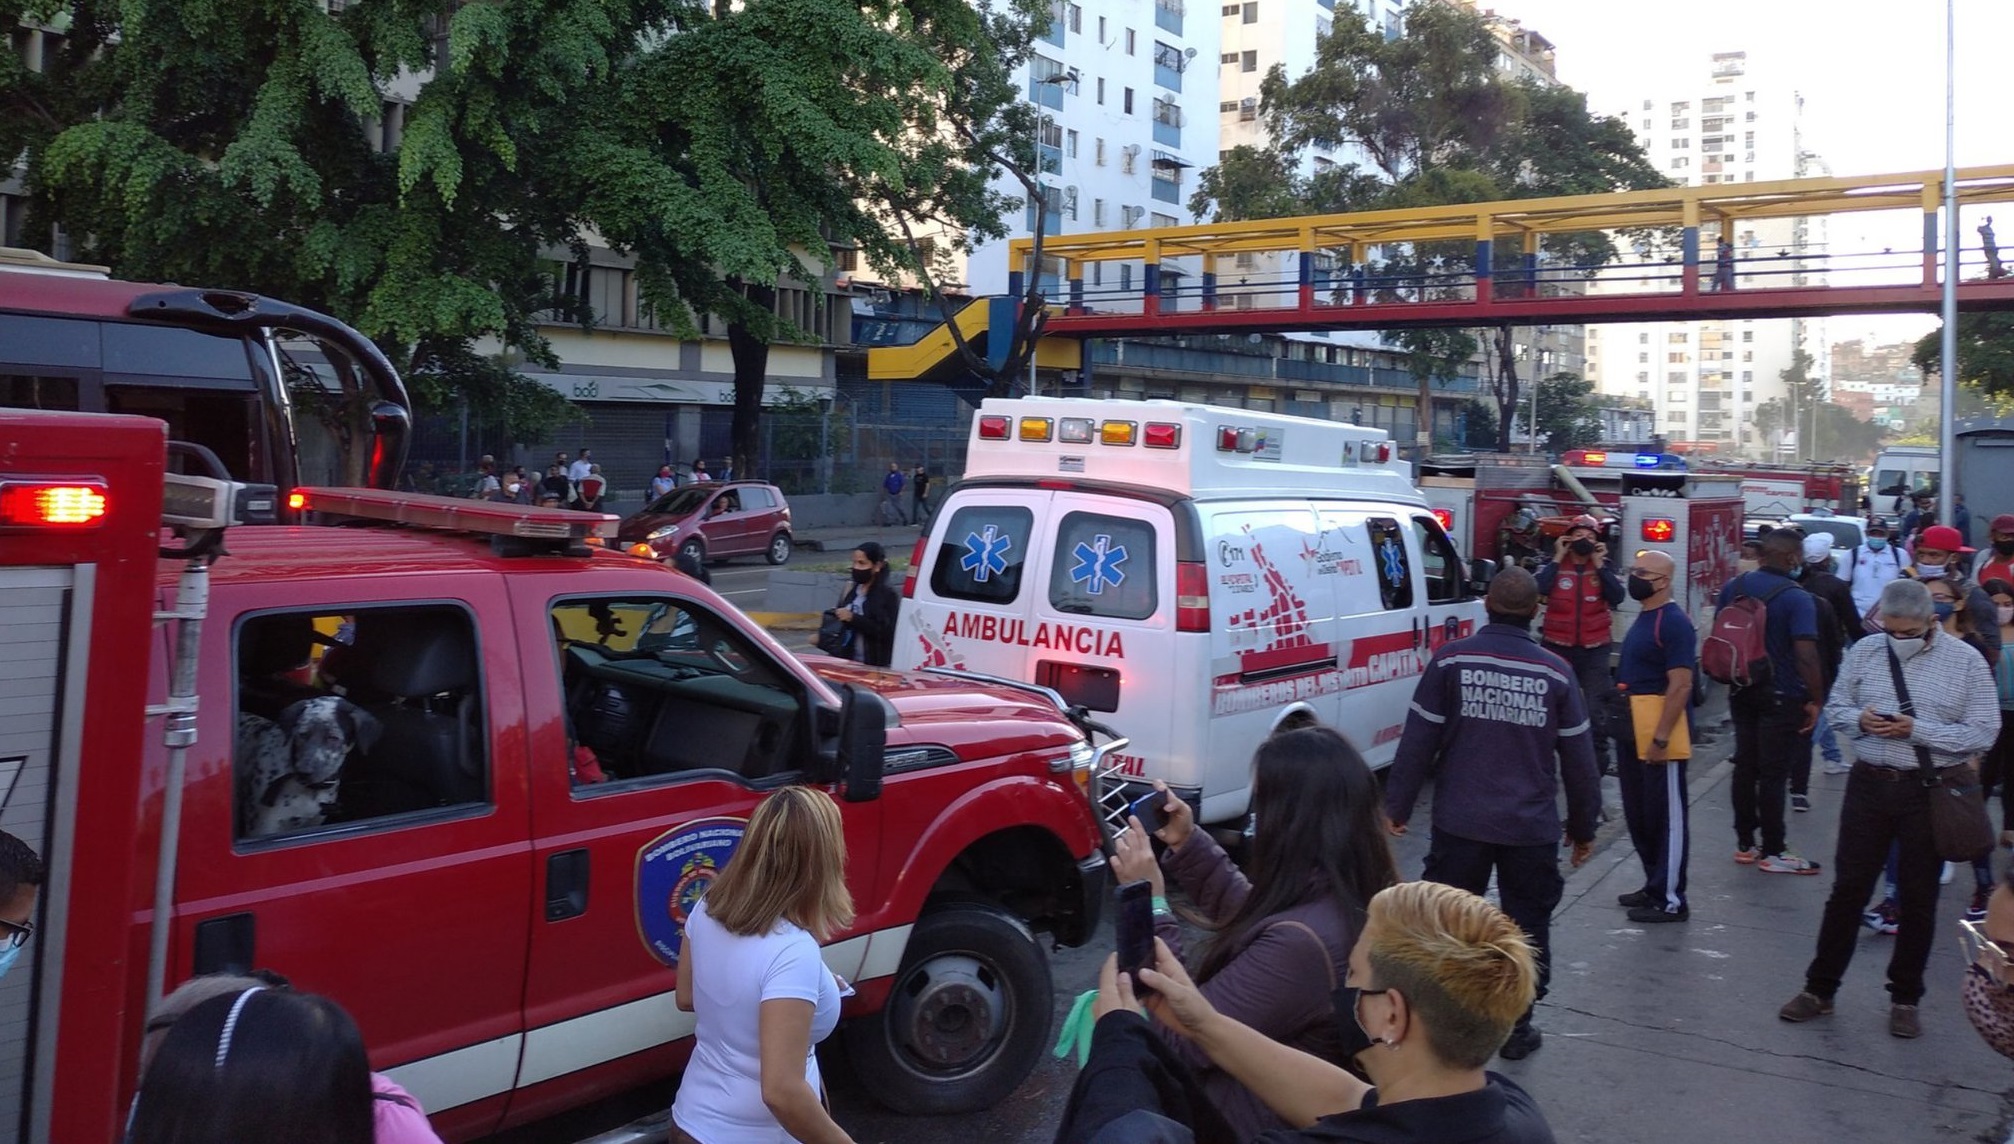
[[66, 504], [1659, 529]]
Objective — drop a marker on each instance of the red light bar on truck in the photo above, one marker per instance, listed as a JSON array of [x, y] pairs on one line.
[[1659, 529], [448, 514], [52, 504]]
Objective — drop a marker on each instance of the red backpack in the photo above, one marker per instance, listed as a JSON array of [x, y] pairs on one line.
[[1736, 650]]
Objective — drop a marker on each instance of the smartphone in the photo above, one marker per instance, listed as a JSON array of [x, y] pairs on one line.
[[1150, 809], [1135, 927]]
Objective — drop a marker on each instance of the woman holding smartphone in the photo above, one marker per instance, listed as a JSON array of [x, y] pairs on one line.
[[752, 971], [1318, 854]]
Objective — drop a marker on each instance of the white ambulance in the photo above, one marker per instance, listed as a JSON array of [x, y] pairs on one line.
[[1193, 573]]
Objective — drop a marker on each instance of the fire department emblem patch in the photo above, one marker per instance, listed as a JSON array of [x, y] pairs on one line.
[[672, 871]]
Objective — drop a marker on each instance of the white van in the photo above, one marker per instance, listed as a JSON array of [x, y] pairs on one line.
[[1191, 573]]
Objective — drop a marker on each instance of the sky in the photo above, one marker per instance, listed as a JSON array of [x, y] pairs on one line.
[[1871, 73]]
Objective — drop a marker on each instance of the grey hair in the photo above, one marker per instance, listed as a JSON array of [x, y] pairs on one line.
[[1907, 600]]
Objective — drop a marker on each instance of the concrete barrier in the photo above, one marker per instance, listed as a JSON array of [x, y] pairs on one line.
[[836, 510]]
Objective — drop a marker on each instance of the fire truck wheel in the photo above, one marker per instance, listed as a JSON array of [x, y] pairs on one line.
[[967, 1017]]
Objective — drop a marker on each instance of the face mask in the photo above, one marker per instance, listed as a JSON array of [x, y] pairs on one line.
[[1581, 547], [1349, 1026], [2004, 547], [2005, 612], [1906, 649], [1989, 1005], [1943, 610], [8, 959], [1641, 589], [1797, 572], [862, 575], [1876, 543], [1930, 571]]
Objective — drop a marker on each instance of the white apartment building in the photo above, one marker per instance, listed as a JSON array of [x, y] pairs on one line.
[[1128, 102], [1739, 122]]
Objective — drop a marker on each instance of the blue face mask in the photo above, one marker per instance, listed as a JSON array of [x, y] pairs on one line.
[[1876, 543], [7, 959], [1943, 610]]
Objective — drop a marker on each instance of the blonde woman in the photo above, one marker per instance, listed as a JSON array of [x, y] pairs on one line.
[[752, 971]]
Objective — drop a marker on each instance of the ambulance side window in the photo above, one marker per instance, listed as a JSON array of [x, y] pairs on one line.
[[1438, 560], [658, 688], [1394, 566], [1104, 566], [350, 715], [982, 555]]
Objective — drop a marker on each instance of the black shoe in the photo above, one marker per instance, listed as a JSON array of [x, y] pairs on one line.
[[1634, 898], [1523, 1042], [1652, 914]]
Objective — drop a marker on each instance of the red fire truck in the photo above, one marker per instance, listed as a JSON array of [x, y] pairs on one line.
[[1773, 492], [462, 770], [1511, 509]]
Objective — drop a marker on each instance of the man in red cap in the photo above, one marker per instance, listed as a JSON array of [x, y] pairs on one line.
[[2001, 536], [1937, 557], [1579, 590]]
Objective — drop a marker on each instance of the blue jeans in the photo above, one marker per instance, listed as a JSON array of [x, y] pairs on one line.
[[1828, 741]]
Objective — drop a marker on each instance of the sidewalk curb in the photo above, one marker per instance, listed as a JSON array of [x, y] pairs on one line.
[[786, 621]]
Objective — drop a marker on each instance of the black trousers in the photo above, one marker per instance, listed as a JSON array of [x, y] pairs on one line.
[[1597, 689], [1765, 742], [1654, 807], [1880, 809], [1996, 769], [1529, 884]]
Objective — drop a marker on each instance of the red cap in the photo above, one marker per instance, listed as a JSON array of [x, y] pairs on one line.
[[2004, 522], [1585, 520], [1943, 538]]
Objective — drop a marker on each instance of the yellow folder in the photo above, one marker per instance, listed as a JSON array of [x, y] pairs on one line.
[[1644, 713]]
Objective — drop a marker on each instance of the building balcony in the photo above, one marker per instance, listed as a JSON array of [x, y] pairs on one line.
[[1168, 77], [1165, 191], [1168, 15], [1167, 134], [1151, 356]]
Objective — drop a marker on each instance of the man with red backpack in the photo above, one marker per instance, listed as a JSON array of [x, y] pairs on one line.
[[1777, 690]]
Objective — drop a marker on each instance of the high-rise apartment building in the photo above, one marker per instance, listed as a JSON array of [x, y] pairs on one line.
[[1737, 123], [1127, 96]]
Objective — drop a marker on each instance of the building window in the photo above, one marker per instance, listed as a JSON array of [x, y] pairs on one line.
[[1098, 149], [1128, 106], [1676, 417], [1160, 219], [1748, 335], [1101, 31], [1101, 91], [1077, 19], [1132, 41], [1643, 339], [1070, 144], [1680, 124], [1125, 275], [1251, 14], [1097, 219], [1323, 26], [1677, 397], [1227, 106], [1747, 376], [1676, 357], [1681, 161], [1675, 339], [1681, 107], [1248, 62]]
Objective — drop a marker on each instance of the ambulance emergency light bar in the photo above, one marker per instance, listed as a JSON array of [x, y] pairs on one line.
[[448, 514], [1602, 459]]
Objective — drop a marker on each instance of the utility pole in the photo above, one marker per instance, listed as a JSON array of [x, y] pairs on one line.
[[1946, 437]]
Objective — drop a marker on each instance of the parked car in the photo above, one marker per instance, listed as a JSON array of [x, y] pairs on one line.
[[713, 521], [1847, 533]]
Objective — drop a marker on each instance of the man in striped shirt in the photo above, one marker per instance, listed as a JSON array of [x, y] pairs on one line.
[[1954, 714]]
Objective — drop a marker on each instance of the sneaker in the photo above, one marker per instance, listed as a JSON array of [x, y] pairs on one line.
[[1804, 1007], [1800, 802], [1747, 855], [1881, 919], [1633, 899], [1837, 767], [1787, 863], [1902, 1022], [1976, 912], [1651, 915], [1523, 1041], [1944, 879]]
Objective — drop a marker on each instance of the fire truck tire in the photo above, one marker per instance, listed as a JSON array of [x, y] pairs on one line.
[[967, 1018], [779, 548]]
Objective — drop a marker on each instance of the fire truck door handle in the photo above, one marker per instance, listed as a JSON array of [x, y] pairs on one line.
[[565, 885], [226, 945]]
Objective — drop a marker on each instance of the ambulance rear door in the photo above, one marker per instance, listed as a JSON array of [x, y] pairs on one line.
[[975, 585]]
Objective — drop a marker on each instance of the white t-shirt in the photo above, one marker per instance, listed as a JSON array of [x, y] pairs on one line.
[[720, 1098], [578, 471]]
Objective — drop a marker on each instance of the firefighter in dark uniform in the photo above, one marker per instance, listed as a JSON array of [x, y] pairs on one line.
[[1500, 721], [1580, 589]]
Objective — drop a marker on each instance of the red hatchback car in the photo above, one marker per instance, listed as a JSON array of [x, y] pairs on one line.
[[713, 521]]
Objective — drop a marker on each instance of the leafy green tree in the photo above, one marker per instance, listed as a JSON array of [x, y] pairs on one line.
[[1567, 417], [1439, 124], [1985, 353]]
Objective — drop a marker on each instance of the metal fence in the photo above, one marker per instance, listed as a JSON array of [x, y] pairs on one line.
[[805, 453]]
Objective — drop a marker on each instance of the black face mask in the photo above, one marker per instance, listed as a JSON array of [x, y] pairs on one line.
[[1522, 623], [2004, 547], [1581, 547], [1641, 589], [862, 575], [1348, 1029]]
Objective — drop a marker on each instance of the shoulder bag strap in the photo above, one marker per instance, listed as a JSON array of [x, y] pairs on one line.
[[1328, 962], [1923, 762]]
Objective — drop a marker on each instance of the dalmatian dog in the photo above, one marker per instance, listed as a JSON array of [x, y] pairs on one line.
[[288, 768]]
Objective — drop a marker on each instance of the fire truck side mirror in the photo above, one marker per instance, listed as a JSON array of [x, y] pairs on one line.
[[1481, 572], [863, 743]]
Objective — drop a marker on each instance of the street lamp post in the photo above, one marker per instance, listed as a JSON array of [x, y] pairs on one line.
[[1946, 438], [1042, 118]]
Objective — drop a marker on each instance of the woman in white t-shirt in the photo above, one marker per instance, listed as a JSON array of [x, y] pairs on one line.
[[751, 969]]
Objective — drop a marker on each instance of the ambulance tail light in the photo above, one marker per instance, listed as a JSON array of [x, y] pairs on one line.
[[1659, 529], [1446, 517], [58, 504], [915, 562], [994, 428], [1192, 596], [1163, 435], [1384, 453]]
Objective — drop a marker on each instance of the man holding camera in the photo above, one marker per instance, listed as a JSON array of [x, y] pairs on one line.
[[1579, 590]]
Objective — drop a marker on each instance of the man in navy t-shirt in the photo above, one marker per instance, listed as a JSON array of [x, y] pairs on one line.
[[1771, 718], [1658, 657]]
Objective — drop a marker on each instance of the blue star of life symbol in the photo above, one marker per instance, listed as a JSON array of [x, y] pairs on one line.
[[1395, 569], [985, 553], [1098, 562]]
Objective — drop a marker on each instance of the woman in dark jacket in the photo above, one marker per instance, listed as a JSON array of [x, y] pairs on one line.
[[1318, 855], [869, 606]]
